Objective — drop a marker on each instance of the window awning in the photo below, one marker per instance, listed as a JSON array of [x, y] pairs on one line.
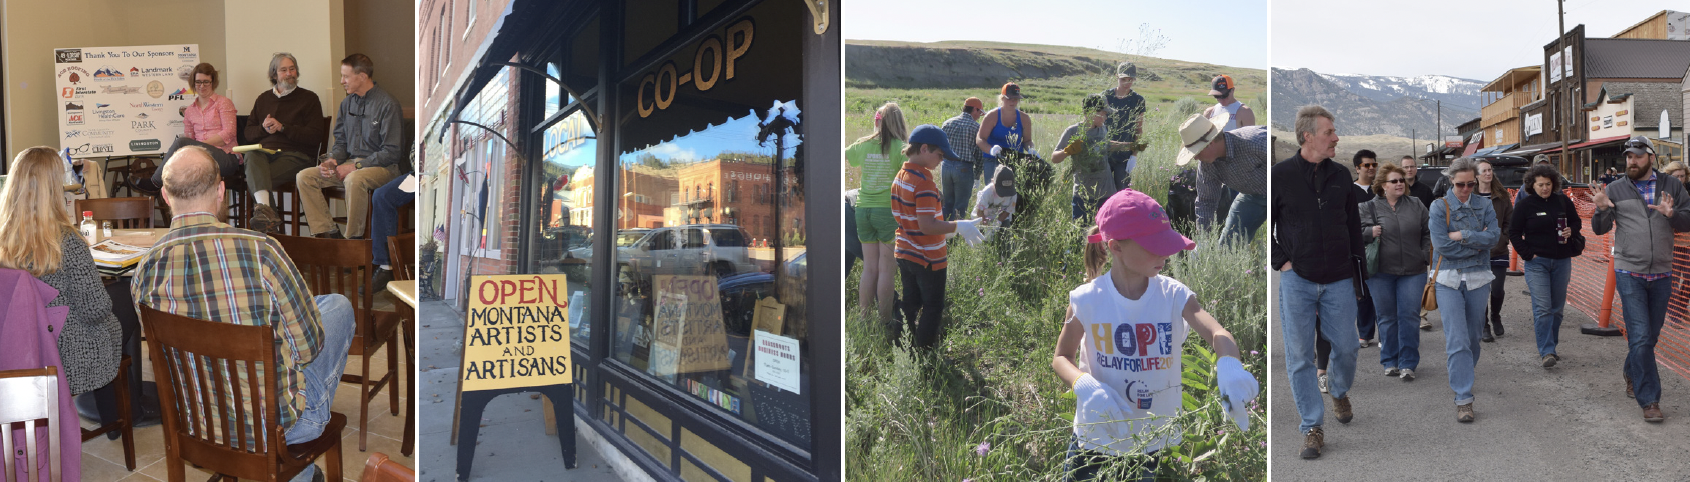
[[1592, 143]]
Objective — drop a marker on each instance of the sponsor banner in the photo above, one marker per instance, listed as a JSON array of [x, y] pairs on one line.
[[116, 99]]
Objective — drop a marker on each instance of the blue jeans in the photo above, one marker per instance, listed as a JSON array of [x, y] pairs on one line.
[[322, 375], [1123, 176], [1247, 214], [1396, 300], [386, 201], [959, 186], [1086, 208], [1547, 278], [1299, 300], [988, 168], [1463, 312], [1086, 465], [1645, 304]]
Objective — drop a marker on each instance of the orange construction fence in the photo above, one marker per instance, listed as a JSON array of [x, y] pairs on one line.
[[1591, 288]]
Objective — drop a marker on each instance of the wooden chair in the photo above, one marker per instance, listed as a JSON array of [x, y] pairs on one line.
[[379, 468], [124, 212], [124, 424], [343, 266], [199, 365], [27, 396], [402, 255]]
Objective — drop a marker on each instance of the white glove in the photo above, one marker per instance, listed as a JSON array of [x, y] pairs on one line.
[[1097, 403], [997, 151], [970, 231], [1237, 389], [1132, 161]]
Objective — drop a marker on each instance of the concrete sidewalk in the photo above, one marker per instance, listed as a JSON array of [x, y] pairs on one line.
[[513, 444], [1570, 422]]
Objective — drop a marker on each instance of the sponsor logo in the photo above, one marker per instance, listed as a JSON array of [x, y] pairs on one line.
[[88, 133], [77, 92], [75, 74], [143, 105], [183, 72], [155, 89], [142, 125], [101, 148], [144, 145], [68, 92], [66, 56], [73, 119], [182, 111], [142, 115], [134, 72], [187, 53], [118, 89], [107, 74], [108, 115], [98, 105], [178, 94], [153, 72], [70, 106], [175, 123]]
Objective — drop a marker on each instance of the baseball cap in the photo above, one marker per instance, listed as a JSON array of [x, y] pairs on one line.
[[1196, 133], [1639, 145], [932, 134], [975, 103], [1134, 215], [1222, 85], [1126, 69], [1003, 181], [1094, 103], [1012, 90], [1540, 158]]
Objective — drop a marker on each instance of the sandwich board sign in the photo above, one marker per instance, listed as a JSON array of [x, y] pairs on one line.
[[516, 339]]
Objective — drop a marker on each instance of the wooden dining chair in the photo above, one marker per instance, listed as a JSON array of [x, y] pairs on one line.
[[402, 255], [123, 212], [27, 396], [344, 266], [380, 468], [125, 423], [214, 379]]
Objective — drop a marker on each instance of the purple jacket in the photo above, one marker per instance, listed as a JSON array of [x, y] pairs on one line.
[[29, 340]]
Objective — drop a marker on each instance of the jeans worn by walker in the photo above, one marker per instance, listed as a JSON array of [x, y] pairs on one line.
[[1645, 310], [1246, 215], [1396, 299], [1547, 280], [322, 375], [1088, 465], [1299, 299], [958, 179], [1463, 313]]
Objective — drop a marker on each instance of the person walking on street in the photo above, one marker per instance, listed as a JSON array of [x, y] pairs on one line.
[[1397, 222], [1491, 188], [1464, 229], [1315, 244], [1367, 167], [1643, 209], [1416, 189], [1545, 231], [959, 175]]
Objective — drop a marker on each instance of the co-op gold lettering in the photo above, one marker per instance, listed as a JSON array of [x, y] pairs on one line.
[[721, 52]]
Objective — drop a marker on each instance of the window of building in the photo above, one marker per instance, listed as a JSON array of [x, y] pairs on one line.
[[562, 203]]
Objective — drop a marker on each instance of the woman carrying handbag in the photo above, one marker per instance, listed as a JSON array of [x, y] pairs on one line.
[[1462, 239], [1394, 226]]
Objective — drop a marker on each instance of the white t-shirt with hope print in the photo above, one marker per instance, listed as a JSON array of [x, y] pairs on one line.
[[1133, 348]]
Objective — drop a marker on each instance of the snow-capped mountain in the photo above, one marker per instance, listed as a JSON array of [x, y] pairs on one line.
[[1454, 91]]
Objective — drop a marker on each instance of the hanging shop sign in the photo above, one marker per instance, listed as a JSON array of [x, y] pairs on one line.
[[713, 63]]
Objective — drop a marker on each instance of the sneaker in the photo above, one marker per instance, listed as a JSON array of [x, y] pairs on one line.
[[1425, 324], [1323, 387], [1550, 359], [265, 220], [1652, 413], [1366, 343], [1391, 372], [1464, 413], [379, 281], [1407, 375], [1487, 338], [1313, 441], [1341, 408]]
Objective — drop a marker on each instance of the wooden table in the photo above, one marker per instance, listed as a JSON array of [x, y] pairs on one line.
[[406, 291], [144, 238]]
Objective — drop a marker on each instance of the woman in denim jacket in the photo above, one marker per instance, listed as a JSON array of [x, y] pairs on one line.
[[1464, 228]]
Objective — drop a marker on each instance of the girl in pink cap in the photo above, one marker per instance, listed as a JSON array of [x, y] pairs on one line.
[[1123, 337]]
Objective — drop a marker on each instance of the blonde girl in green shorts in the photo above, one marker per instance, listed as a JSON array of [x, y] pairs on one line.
[[879, 155]]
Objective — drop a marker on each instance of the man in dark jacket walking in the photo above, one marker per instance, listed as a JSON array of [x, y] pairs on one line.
[[1316, 241], [1643, 208]]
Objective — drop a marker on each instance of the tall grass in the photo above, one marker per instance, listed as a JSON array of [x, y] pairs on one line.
[[985, 403]]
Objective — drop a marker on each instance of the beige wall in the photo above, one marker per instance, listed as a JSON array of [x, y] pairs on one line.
[[35, 27], [308, 29], [386, 30]]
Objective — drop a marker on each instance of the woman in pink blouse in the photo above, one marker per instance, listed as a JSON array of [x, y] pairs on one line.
[[210, 123]]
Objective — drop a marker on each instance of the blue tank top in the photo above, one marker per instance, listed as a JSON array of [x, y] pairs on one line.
[[1001, 136]]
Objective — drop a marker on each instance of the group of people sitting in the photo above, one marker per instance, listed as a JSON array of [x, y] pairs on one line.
[[1379, 242]]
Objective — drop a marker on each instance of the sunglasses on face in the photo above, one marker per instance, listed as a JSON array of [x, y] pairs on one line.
[[1395, 181], [1467, 185], [1369, 166]]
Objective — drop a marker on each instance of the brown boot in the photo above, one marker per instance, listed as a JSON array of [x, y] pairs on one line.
[[1313, 442], [1341, 408], [265, 220], [1652, 413], [1629, 392], [1464, 413]]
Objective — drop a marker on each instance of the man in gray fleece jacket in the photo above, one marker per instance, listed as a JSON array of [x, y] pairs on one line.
[[1647, 209]]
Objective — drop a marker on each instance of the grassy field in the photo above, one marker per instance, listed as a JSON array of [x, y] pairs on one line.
[[985, 404]]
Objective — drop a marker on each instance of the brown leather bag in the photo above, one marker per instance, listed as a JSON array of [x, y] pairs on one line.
[[1429, 296]]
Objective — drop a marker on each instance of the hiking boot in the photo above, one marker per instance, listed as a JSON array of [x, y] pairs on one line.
[[1313, 442], [1464, 413], [1652, 413], [1408, 374], [1322, 381], [1341, 408], [265, 220], [1391, 372], [1550, 359], [1629, 392], [1487, 338]]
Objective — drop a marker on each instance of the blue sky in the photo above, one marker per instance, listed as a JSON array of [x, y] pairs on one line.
[[1472, 39], [738, 134], [1224, 32]]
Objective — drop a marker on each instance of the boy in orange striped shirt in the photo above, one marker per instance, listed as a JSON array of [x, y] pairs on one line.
[[922, 231]]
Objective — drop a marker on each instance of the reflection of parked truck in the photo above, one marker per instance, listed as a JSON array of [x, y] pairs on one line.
[[692, 249]]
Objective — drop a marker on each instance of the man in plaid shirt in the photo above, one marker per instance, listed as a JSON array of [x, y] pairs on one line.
[[208, 270], [959, 174]]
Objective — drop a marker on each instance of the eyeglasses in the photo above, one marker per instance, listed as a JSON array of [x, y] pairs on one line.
[[1369, 165], [1467, 185], [203, 82], [1395, 181]]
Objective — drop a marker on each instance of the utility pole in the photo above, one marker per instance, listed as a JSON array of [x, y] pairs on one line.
[[1566, 91]]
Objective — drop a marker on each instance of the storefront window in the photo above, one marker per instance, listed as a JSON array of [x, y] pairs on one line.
[[711, 281], [563, 213]]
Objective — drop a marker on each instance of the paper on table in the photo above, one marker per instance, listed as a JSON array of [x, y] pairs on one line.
[[254, 147], [113, 253]]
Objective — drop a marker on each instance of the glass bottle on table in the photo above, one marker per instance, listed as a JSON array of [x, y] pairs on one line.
[[88, 227]]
